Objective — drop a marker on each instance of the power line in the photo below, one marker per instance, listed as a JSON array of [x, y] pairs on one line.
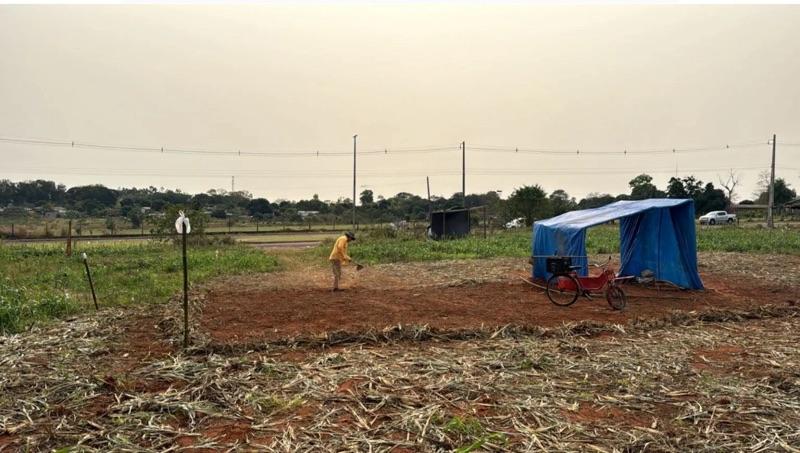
[[343, 175], [623, 152], [184, 150], [383, 151]]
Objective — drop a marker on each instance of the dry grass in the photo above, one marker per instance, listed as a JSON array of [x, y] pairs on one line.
[[710, 387]]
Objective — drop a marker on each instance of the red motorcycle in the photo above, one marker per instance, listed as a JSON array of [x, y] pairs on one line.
[[564, 286]]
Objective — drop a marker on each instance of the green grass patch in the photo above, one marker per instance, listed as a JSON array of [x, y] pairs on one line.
[[284, 237], [600, 240], [406, 248], [38, 282], [470, 428], [465, 426], [749, 240]]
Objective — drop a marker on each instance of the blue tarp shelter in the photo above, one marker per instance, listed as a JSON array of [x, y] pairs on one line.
[[656, 234]]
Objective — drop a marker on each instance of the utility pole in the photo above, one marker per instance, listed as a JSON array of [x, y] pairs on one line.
[[464, 173], [355, 137], [232, 184], [770, 221], [430, 206]]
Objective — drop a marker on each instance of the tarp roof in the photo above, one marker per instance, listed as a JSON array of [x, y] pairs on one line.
[[585, 218]]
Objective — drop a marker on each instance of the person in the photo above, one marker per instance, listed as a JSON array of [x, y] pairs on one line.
[[339, 256]]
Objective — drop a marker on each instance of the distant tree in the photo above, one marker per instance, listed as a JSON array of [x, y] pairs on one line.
[[259, 207], [642, 187], [595, 200], [494, 204], [783, 193], [38, 192], [237, 200], [165, 226], [111, 225], [530, 202], [314, 204], [342, 206], [383, 204], [676, 189], [366, 198], [7, 192], [158, 205], [219, 213], [95, 193], [201, 200], [762, 185], [135, 216], [693, 186], [711, 199], [730, 183], [127, 205], [91, 207], [561, 202]]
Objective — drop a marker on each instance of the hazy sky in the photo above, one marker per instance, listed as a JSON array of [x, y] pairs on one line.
[[300, 78]]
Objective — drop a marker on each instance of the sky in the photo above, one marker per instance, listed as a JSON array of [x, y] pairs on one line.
[[584, 83]]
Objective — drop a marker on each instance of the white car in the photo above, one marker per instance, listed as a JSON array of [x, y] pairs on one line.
[[717, 218], [519, 222]]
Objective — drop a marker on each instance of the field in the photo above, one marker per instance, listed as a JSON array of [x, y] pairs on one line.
[[37, 227], [377, 248], [433, 347], [39, 282]]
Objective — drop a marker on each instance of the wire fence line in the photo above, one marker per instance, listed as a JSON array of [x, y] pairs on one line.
[[386, 151]]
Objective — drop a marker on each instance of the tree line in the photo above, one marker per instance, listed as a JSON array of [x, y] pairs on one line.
[[530, 202]]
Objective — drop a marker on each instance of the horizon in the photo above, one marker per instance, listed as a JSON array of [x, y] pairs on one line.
[[501, 195]]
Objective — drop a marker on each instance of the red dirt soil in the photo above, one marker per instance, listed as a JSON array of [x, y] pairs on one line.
[[234, 315]]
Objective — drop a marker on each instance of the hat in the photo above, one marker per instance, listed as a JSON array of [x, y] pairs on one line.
[[351, 236]]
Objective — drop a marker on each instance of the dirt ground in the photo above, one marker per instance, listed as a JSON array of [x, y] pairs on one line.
[[446, 296], [117, 380]]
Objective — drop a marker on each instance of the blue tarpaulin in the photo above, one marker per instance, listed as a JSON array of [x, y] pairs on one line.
[[656, 234]]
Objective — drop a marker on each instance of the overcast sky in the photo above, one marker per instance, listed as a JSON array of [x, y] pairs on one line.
[[302, 78]]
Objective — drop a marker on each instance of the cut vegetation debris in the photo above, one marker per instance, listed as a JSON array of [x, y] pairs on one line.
[[730, 386], [714, 371]]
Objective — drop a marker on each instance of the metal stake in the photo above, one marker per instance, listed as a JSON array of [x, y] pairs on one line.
[[185, 291], [91, 283]]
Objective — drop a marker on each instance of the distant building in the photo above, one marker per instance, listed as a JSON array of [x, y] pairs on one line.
[[53, 213], [305, 214], [792, 206]]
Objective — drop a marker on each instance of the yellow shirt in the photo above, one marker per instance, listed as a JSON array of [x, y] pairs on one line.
[[339, 252]]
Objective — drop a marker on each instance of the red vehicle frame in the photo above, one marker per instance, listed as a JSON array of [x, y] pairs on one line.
[[564, 288]]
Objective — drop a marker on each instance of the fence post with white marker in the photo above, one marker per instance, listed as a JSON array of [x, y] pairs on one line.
[[183, 227]]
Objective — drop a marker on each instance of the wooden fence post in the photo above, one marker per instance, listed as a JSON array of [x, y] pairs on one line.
[[69, 239]]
